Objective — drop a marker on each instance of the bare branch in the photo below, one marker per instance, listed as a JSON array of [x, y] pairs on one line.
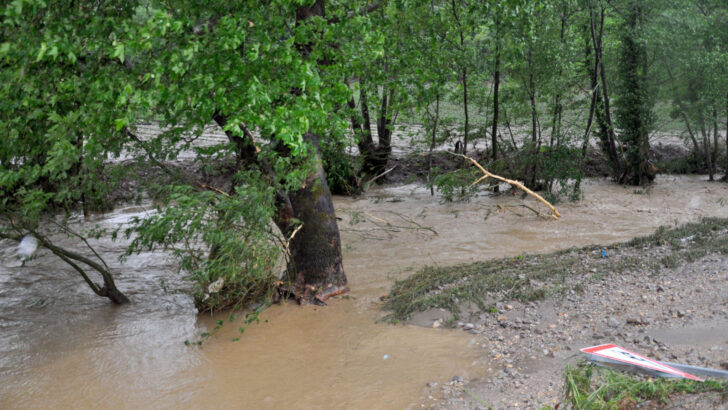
[[554, 213]]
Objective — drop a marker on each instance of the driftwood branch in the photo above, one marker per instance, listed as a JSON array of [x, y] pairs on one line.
[[486, 174]]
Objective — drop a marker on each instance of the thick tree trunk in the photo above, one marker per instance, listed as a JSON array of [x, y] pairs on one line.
[[634, 109], [315, 267]]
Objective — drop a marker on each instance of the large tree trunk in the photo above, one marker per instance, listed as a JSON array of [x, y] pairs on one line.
[[315, 268]]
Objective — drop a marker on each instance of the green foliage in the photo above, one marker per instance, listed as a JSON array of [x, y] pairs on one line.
[[77, 77], [340, 169], [561, 169], [634, 104], [227, 246], [591, 387], [455, 185]]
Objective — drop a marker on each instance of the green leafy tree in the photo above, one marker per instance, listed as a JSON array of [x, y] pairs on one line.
[[78, 77], [690, 38], [634, 105]]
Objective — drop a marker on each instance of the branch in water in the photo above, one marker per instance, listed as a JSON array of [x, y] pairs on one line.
[[486, 174]]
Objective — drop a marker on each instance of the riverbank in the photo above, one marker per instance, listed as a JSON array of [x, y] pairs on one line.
[[662, 295]]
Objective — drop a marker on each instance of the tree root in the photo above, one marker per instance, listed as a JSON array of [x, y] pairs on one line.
[[309, 294]]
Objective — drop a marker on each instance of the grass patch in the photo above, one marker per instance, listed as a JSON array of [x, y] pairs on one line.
[[590, 387], [533, 277]]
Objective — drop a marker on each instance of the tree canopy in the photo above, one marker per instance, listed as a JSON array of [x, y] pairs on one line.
[[525, 84]]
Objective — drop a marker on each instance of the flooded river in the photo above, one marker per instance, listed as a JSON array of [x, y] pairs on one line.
[[63, 347]]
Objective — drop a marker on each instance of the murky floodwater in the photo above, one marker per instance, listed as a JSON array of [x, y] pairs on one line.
[[61, 346]]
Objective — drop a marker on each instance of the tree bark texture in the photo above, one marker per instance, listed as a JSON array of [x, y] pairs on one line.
[[315, 265], [315, 268]]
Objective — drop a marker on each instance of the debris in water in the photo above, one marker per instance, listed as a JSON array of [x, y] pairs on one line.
[[27, 247], [216, 286]]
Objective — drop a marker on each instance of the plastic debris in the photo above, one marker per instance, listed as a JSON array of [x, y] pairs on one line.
[[216, 286], [611, 355], [27, 247]]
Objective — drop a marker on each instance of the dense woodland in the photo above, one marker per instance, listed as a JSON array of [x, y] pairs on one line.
[[527, 87]]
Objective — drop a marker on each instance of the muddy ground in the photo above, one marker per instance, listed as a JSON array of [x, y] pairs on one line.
[[675, 314]]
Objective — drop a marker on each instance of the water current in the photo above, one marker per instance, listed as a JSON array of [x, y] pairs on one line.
[[63, 347]]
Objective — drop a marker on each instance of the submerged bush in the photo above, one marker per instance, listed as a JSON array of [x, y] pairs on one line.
[[225, 243]]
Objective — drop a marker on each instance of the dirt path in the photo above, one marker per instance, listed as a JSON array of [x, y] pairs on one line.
[[677, 314]]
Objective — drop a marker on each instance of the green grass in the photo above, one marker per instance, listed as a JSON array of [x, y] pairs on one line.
[[591, 387], [533, 277]]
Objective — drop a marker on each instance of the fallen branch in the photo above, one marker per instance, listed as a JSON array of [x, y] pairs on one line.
[[380, 175], [486, 174]]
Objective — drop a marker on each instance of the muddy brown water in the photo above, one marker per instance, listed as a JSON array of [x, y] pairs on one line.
[[62, 347]]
